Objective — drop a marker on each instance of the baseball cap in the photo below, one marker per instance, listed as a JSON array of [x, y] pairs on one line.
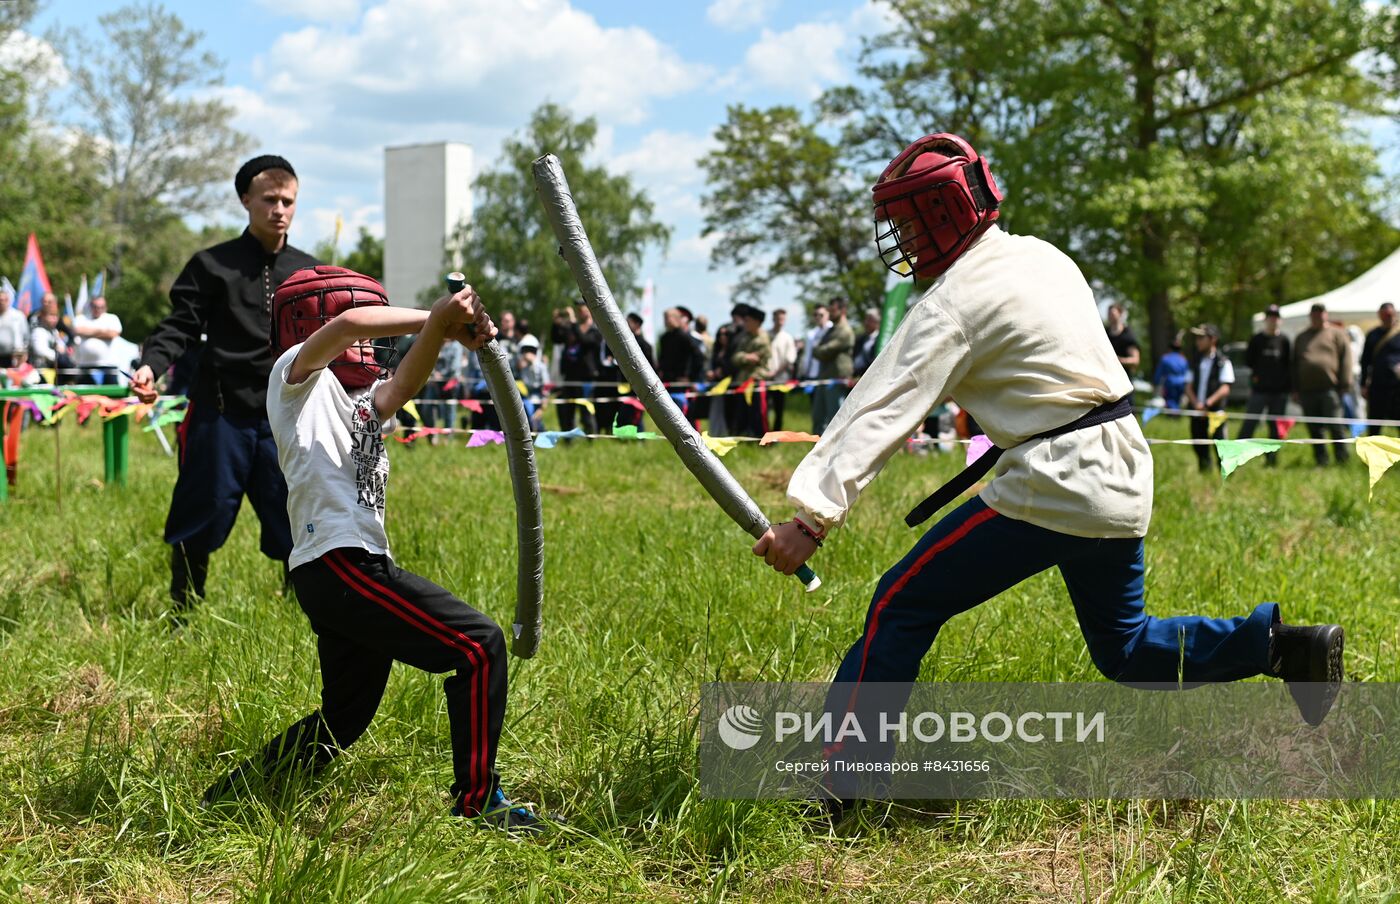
[[1272, 311], [1206, 329]]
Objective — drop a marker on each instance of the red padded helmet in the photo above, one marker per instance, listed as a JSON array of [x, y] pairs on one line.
[[931, 202], [313, 297]]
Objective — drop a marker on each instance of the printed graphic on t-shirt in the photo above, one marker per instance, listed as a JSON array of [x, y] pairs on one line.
[[371, 464]]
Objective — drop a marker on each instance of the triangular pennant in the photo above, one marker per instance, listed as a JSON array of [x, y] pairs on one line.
[[411, 410], [1214, 421], [485, 438], [1283, 425], [1379, 453], [787, 436], [550, 438], [978, 447], [720, 447], [719, 388], [1235, 452], [1149, 413]]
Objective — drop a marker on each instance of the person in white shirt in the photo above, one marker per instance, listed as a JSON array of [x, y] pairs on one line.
[[1207, 391], [96, 328], [821, 322], [14, 331], [1009, 328], [782, 364], [330, 405]]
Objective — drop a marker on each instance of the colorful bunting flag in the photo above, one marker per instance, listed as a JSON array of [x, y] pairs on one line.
[[1379, 453], [787, 436], [630, 431], [1214, 421], [485, 438], [1235, 452], [1282, 426], [411, 410], [978, 447], [720, 388], [1149, 413], [720, 447], [550, 438]]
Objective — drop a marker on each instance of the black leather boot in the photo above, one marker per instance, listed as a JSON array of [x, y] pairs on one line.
[[1309, 658]]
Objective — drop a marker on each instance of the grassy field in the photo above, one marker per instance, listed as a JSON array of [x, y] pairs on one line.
[[110, 727]]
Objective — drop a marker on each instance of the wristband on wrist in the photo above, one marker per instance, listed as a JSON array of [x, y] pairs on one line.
[[815, 537]]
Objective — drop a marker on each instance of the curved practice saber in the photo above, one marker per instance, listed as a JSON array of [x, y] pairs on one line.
[[525, 482], [574, 246]]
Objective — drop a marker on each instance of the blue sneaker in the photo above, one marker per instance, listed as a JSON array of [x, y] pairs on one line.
[[503, 813]]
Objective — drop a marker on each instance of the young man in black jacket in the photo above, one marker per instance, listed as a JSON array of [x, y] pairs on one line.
[[1269, 357], [226, 445]]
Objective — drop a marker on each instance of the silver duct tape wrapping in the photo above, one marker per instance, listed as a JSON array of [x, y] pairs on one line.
[[525, 482], [553, 190]]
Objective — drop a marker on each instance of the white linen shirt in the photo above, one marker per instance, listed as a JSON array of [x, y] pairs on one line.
[[1011, 331]]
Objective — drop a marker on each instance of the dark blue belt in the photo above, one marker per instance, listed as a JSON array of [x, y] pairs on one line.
[[1109, 411]]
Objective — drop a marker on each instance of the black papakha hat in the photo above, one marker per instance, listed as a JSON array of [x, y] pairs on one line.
[[244, 178]]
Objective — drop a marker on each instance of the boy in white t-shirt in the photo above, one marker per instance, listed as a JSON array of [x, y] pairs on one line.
[[330, 405]]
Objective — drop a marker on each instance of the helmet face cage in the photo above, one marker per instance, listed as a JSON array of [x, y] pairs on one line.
[[297, 316], [924, 220], [924, 227]]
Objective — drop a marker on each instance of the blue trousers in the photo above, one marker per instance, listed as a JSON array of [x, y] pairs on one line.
[[224, 457], [975, 553]]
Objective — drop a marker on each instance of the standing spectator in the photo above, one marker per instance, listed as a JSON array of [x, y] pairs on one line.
[[1380, 369], [702, 332], [782, 365], [1321, 373], [522, 333], [821, 322], [14, 332], [580, 344], [1270, 364], [226, 445], [1120, 336], [444, 386], [1172, 375], [508, 337], [866, 343], [681, 353], [48, 344], [97, 328], [834, 363], [1208, 389], [722, 367], [750, 360], [534, 373], [635, 324]]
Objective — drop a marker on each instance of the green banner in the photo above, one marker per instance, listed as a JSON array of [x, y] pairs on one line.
[[896, 300]]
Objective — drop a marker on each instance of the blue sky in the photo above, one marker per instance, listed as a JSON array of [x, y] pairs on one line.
[[328, 83]]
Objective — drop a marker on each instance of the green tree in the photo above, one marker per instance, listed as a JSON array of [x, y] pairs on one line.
[[1123, 129], [508, 249], [163, 148], [784, 203], [366, 257], [47, 186]]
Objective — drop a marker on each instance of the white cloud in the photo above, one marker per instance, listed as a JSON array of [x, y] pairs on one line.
[[802, 60], [38, 61], [667, 156], [315, 10], [737, 15], [694, 249], [490, 60]]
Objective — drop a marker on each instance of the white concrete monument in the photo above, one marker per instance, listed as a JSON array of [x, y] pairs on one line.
[[427, 192]]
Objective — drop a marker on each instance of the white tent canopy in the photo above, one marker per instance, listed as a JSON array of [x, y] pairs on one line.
[[1354, 303]]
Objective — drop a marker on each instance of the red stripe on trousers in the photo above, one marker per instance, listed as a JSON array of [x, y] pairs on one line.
[[436, 629]]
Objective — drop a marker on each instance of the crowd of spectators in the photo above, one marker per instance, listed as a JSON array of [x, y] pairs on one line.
[[49, 346]]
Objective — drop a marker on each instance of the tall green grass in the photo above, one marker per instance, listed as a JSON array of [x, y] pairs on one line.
[[111, 727]]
